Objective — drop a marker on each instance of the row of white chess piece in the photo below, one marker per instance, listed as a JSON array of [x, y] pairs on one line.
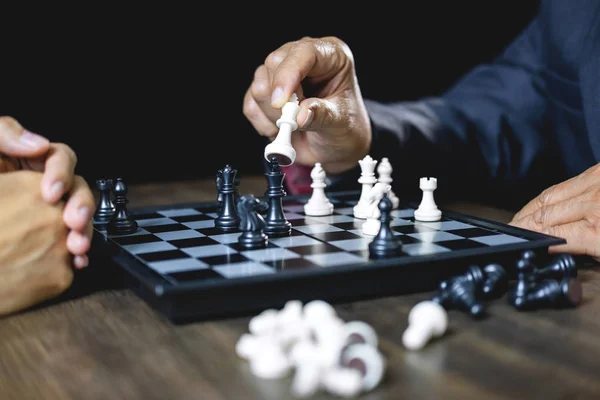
[[373, 190], [324, 352]]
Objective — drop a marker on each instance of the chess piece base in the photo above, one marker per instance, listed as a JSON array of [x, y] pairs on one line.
[[284, 154], [124, 227], [252, 240], [318, 211], [428, 216], [278, 228]]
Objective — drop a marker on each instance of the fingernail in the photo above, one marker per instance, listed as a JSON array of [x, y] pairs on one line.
[[277, 99], [32, 140], [81, 261], [309, 118], [56, 190]]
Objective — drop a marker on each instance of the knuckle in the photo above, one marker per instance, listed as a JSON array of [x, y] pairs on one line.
[[7, 123], [545, 197], [250, 108], [68, 151], [540, 217]]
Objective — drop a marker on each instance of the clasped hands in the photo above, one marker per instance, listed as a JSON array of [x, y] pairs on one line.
[[46, 219]]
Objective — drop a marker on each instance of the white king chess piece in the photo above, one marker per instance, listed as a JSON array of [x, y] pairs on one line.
[[318, 204], [367, 179], [384, 169], [281, 147], [428, 210]]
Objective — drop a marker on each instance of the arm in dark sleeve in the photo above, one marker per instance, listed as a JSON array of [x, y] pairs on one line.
[[484, 135]]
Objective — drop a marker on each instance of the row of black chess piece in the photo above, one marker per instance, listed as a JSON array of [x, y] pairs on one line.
[[554, 285], [111, 212], [255, 218]]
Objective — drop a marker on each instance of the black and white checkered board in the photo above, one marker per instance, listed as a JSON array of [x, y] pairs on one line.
[[185, 267]]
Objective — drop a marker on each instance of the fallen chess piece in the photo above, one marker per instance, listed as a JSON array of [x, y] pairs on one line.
[[426, 321], [321, 350]]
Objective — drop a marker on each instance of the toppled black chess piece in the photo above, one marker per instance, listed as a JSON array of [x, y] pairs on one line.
[[252, 223], [466, 292], [562, 266], [276, 223], [228, 219], [551, 293], [525, 277], [105, 208], [495, 283], [121, 223], [385, 244]]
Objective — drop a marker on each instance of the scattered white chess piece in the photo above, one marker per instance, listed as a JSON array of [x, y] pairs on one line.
[[323, 351], [428, 210], [318, 204], [372, 225], [281, 147], [384, 170], [367, 179], [427, 320]]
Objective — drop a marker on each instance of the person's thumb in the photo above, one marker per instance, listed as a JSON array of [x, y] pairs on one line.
[[320, 115], [16, 141]]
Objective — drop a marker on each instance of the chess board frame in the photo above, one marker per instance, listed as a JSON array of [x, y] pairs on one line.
[[214, 299]]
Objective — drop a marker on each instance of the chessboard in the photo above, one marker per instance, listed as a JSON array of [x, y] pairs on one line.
[[188, 269]]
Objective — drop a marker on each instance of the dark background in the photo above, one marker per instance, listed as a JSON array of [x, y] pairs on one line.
[[156, 93]]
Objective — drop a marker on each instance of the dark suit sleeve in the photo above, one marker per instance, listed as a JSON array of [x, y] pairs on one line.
[[484, 135]]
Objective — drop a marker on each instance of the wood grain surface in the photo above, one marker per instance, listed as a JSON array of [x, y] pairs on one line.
[[100, 341]]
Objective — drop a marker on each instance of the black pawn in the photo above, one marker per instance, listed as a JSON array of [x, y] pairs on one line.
[[252, 223], [121, 222], [566, 293], [462, 292], [228, 219], [275, 222], [525, 274], [385, 243], [105, 209], [495, 283], [562, 266]]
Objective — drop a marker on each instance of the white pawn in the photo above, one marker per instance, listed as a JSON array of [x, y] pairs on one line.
[[384, 169], [428, 210], [281, 147], [318, 204], [367, 179], [372, 225], [426, 320]]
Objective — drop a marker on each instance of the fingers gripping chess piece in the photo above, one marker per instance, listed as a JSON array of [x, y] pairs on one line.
[[318, 204], [428, 210], [384, 169], [367, 180], [281, 147], [426, 321], [252, 222]]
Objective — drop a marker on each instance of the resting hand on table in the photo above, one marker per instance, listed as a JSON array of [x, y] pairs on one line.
[[23, 150], [570, 210], [334, 128]]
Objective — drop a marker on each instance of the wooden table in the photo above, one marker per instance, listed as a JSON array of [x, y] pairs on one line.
[[100, 341]]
